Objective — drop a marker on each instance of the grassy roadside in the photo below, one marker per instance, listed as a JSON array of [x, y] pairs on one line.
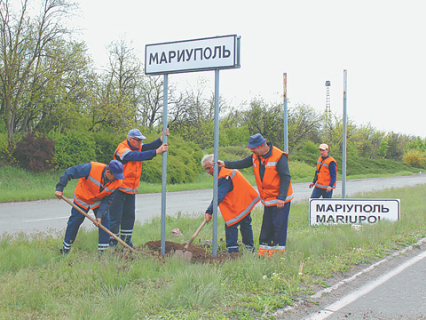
[[20, 185], [38, 283]]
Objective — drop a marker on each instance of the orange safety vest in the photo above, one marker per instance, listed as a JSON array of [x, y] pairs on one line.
[[132, 169], [269, 188], [324, 177], [88, 194], [239, 202]]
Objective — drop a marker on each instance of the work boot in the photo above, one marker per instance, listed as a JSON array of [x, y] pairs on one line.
[[64, 251], [250, 249]]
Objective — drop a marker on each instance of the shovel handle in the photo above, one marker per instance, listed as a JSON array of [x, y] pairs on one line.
[[195, 234], [100, 225]]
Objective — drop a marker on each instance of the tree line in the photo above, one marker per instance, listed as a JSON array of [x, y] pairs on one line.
[[50, 87]]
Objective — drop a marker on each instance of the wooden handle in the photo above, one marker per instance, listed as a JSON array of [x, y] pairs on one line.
[[100, 225], [195, 234]]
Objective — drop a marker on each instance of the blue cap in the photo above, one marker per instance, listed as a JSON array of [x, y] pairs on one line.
[[117, 169], [256, 141], [135, 133]]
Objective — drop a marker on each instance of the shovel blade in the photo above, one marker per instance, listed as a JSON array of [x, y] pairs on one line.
[[185, 255]]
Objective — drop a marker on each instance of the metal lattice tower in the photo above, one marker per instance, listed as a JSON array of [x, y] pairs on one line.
[[327, 97]]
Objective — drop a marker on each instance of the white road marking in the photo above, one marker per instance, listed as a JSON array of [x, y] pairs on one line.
[[330, 309], [35, 220]]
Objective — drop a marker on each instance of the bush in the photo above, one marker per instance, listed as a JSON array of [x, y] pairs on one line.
[[74, 148], [106, 143], [35, 153], [183, 162], [415, 158]]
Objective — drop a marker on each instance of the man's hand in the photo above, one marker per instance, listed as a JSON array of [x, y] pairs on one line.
[[207, 217], [280, 204], [220, 163], [329, 189], [311, 185], [166, 133], [97, 222], [162, 148], [59, 194]]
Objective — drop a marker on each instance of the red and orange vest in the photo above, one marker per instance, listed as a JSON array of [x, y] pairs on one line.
[[324, 177], [239, 202], [132, 169], [269, 188], [88, 194]]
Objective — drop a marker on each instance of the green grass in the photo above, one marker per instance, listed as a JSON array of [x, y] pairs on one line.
[[20, 185], [38, 283]]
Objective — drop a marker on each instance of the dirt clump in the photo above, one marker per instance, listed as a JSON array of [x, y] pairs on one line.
[[199, 255]]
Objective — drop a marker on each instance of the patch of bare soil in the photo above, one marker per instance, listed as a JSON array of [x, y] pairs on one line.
[[199, 255]]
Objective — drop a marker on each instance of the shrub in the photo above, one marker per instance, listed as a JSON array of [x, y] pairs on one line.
[[35, 153], [415, 158], [73, 148], [183, 162], [106, 143]]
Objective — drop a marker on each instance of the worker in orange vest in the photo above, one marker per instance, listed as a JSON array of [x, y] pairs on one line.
[[95, 190], [325, 175], [131, 153], [236, 200], [273, 180]]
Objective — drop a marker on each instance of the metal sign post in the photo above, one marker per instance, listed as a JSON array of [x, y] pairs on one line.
[[285, 115], [345, 119], [164, 167], [214, 53], [216, 158]]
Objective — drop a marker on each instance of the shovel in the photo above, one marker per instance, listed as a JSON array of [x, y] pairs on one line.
[[100, 226], [187, 255]]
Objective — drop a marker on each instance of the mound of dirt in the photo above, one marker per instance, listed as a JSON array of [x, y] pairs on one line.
[[199, 255]]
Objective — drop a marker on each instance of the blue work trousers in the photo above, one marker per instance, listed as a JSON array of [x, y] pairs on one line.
[[318, 193], [122, 214], [274, 226], [246, 230], [74, 222]]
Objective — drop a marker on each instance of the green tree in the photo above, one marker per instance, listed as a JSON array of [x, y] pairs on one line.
[[304, 124], [24, 40], [118, 92]]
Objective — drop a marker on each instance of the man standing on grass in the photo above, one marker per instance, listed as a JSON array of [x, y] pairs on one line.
[[236, 200], [95, 190], [131, 153], [270, 168], [325, 175]]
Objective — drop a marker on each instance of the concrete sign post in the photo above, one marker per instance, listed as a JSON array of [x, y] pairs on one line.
[[215, 53]]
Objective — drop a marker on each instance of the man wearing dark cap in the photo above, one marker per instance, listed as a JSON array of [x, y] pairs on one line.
[[131, 153], [270, 167], [95, 190], [325, 175]]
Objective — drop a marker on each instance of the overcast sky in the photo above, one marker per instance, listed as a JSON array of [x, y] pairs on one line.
[[380, 43]]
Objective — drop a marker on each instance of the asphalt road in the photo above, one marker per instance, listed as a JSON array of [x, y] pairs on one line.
[[51, 215], [393, 288]]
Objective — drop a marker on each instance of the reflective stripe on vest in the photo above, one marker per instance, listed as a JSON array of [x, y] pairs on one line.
[[269, 187], [88, 193], [324, 178], [106, 189], [239, 202], [244, 213], [131, 169], [86, 205]]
